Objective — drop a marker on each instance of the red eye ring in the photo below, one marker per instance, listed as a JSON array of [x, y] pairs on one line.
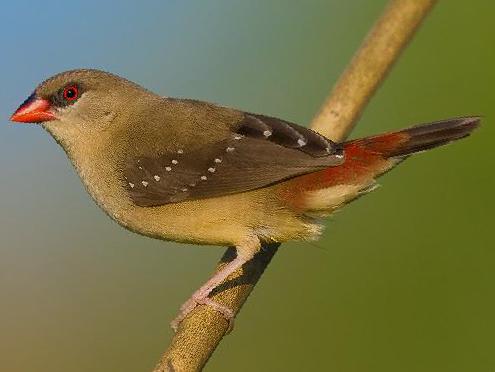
[[71, 93]]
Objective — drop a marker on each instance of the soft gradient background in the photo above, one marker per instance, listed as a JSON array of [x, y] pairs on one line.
[[402, 280]]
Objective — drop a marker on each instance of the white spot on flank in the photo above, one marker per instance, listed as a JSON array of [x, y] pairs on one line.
[[204, 178], [230, 149], [301, 142], [218, 160], [184, 189], [168, 169], [131, 184], [180, 151], [192, 184], [145, 183], [237, 137], [175, 162], [156, 177], [267, 133], [338, 156], [211, 170], [140, 167]]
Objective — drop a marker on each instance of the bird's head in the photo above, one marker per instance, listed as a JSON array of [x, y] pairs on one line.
[[80, 103]]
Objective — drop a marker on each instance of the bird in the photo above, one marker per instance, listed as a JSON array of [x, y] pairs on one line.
[[195, 172]]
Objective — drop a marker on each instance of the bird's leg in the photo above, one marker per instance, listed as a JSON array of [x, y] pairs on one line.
[[245, 252]]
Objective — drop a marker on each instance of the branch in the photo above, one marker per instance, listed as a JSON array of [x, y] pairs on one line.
[[369, 67], [201, 332]]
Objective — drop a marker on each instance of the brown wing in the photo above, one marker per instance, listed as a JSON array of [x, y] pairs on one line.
[[259, 152]]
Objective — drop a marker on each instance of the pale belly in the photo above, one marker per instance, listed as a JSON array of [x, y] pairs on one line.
[[226, 220]]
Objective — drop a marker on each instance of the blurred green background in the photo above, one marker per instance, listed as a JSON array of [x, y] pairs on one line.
[[402, 280]]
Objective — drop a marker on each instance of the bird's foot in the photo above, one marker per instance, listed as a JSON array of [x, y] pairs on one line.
[[245, 252], [200, 299]]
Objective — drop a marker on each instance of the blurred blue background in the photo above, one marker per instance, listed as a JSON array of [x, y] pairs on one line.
[[402, 279]]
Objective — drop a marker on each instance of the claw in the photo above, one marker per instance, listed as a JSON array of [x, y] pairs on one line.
[[194, 301]]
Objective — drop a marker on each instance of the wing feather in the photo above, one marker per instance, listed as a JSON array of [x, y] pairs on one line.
[[259, 152]]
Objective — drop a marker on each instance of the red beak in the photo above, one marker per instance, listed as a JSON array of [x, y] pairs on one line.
[[33, 110]]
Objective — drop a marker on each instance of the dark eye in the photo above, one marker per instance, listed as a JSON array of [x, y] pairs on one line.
[[71, 93]]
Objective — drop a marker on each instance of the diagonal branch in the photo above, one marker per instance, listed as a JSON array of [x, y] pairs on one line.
[[201, 332], [369, 67]]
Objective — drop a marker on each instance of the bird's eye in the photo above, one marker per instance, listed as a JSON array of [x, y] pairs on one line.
[[71, 93]]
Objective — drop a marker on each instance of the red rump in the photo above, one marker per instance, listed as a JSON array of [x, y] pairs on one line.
[[364, 159]]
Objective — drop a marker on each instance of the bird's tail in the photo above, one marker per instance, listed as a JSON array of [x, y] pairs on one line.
[[419, 138], [368, 158]]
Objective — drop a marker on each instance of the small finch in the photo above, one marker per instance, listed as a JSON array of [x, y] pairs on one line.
[[194, 172]]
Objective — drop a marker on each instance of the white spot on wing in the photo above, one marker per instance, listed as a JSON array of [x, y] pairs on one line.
[[301, 142], [237, 137], [180, 151], [204, 178], [267, 133], [174, 161], [230, 149], [168, 169], [156, 177], [145, 183], [211, 170], [218, 160], [132, 185]]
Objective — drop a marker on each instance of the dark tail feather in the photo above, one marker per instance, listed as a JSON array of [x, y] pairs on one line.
[[427, 136]]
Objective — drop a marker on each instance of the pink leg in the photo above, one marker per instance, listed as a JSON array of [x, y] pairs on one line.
[[244, 253]]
